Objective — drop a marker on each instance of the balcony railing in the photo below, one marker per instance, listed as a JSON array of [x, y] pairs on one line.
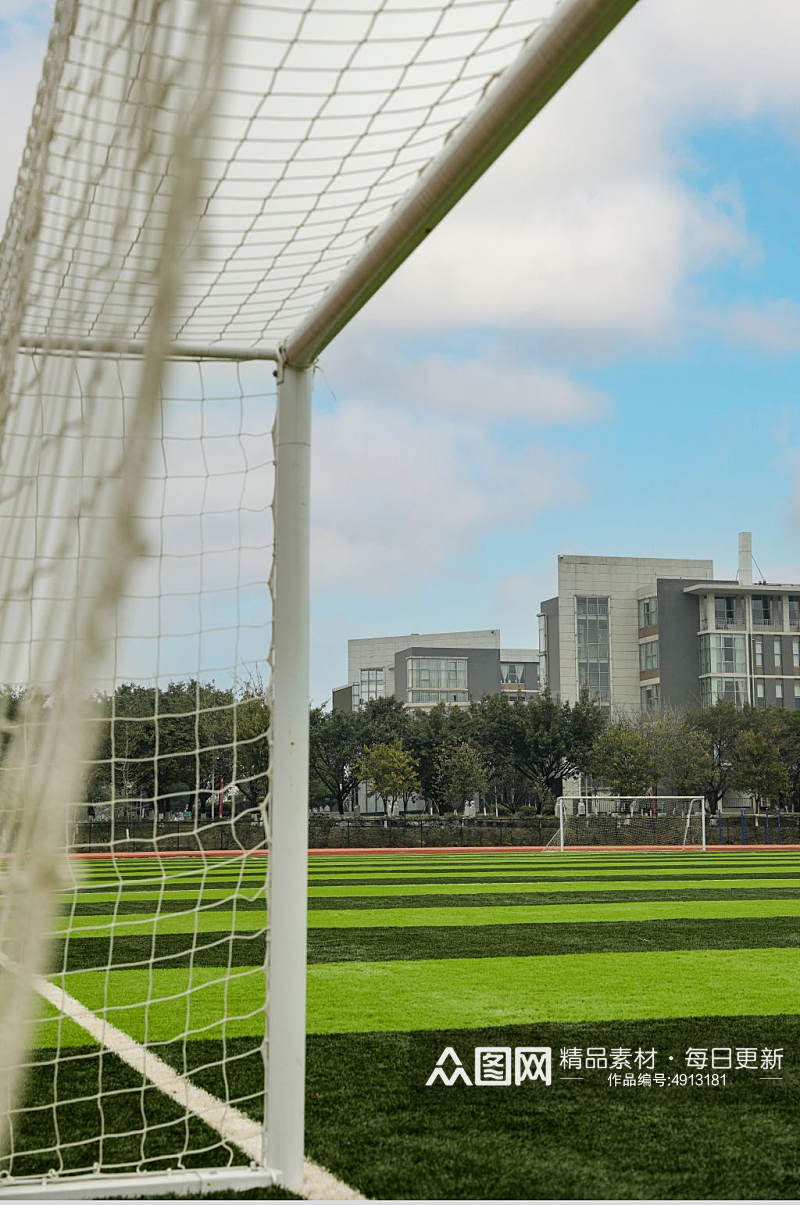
[[722, 625]]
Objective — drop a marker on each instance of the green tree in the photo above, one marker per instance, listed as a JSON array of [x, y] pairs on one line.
[[335, 744], [623, 757], [389, 772], [759, 768], [251, 720], [718, 728], [543, 740], [461, 773], [430, 735], [789, 745], [383, 721], [681, 756]]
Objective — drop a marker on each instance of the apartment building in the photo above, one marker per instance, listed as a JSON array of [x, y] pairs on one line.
[[424, 669], [649, 633]]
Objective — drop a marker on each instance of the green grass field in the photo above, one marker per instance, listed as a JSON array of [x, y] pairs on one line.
[[410, 953]]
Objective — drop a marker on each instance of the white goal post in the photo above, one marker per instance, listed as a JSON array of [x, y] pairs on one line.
[[644, 821], [181, 246]]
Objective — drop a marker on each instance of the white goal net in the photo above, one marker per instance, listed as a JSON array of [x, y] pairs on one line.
[[210, 189], [643, 821]]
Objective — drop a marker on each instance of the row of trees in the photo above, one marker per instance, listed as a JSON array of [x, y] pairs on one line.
[[705, 752], [178, 745], [515, 754]]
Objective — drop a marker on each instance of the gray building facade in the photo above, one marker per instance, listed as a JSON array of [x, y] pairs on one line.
[[423, 670], [644, 635]]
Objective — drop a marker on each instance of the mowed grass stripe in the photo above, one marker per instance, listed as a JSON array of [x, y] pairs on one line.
[[244, 871], [521, 876], [551, 887], [447, 994], [211, 920], [97, 913], [254, 884], [377, 945], [506, 899], [129, 899]]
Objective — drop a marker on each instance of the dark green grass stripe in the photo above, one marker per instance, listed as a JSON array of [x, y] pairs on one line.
[[167, 950], [571, 1141], [486, 899], [573, 897], [128, 907], [378, 945]]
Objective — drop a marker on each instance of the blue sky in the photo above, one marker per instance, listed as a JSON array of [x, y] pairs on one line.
[[597, 352], [698, 436]]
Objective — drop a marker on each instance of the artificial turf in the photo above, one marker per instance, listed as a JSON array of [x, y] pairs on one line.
[[410, 953]]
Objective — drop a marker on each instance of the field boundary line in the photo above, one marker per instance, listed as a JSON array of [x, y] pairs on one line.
[[230, 1123]]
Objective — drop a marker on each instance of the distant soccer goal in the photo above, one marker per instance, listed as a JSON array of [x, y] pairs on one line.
[[608, 821], [210, 190]]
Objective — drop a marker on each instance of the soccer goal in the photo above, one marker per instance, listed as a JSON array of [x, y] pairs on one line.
[[210, 190], [643, 821]]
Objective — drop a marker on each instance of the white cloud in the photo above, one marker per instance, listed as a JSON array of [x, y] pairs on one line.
[[392, 500], [773, 326], [587, 226], [494, 384]]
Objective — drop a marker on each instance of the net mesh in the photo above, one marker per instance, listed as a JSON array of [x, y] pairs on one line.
[[158, 921], [135, 541], [329, 112], [197, 173]]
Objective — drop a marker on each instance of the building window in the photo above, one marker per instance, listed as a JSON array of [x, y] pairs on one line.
[[591, 629], [796, 652], [371, 685], [760, 699], [512, 673], [725, 612], [436, 680], [797, 694], [766, 611], [725, 690], [758, 651], [648, 612], [722, 654], [779, 692], [648, 655], [794, 612], [650, 697], [543, 649], [776, 651]]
